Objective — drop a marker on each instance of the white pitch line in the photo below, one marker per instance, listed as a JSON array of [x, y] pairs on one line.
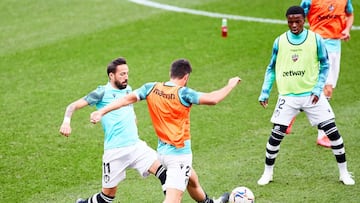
[[212, 14]]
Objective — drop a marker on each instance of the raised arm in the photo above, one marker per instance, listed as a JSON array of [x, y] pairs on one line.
[[96, 116], [217, 96]]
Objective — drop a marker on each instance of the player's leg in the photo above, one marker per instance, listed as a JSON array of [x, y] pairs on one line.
[[106, 196], [160, 173], [321, 114], [177, 175], [198, 194], [113, 172], [272, 150], [289, 128], [322, 139], [338, 148], [146, 162], [285, 110], [330, 84], [173, 195], [195, 190]]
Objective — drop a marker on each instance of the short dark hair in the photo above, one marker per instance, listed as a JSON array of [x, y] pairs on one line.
[[179, 68], [295, 10], [111, 68]]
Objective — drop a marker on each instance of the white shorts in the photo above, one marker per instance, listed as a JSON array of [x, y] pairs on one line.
[[334, 69], [178, 170], [115, 162], [288, 107]]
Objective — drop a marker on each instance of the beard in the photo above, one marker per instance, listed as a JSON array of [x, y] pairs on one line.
[[121, 85]]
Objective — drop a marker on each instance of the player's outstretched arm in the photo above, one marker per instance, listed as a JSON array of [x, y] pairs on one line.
[[65, 128], [96, 116], [217, 96]]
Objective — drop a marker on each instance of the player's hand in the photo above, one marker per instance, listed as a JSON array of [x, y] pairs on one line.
[[234, 81], [65, 129], [314, 99], [345, 35], [264, 103], [95, 117]]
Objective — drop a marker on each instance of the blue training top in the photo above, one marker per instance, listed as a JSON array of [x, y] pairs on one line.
[[119, 125]]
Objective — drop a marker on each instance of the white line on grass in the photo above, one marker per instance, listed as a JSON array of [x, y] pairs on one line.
[[212, 14]]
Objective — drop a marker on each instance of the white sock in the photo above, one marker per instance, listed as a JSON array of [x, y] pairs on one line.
[[269, 169], [342, 168]]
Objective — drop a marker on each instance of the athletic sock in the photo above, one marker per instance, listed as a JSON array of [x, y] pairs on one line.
[[207, 200], [100, 198], [161, 175], [269, 169], [273, 144], [343, 168]]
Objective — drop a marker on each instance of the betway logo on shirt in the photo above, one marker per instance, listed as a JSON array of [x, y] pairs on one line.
[[291, 73], [320, 18], [164, 95]]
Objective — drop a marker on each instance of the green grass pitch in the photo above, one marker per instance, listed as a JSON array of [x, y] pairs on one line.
[[53, 52]]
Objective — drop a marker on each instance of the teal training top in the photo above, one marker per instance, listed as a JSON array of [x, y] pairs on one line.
[[119, 125], [322, 57]]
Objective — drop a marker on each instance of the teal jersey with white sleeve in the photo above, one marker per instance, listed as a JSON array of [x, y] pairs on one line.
[[297, 39], [187, 97], [119, 125]]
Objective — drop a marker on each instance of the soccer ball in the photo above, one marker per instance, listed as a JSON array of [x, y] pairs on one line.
[[241, 195]]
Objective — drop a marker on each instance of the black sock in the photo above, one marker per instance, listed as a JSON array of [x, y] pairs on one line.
[[100, 198], [161, 175], [207, 200]]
